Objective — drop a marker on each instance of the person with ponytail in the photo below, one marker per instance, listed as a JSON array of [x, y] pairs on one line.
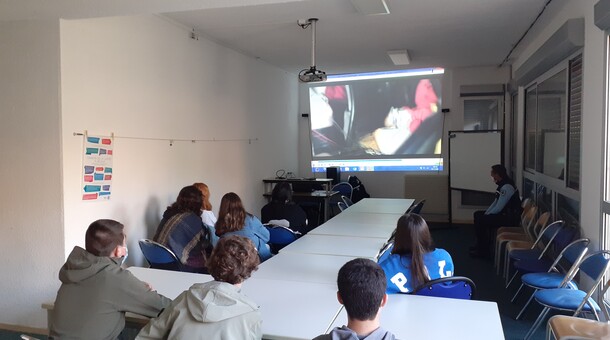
[[413, 260]]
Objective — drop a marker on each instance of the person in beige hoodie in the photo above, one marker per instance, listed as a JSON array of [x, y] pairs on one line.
[[216, 309], [96, 292]]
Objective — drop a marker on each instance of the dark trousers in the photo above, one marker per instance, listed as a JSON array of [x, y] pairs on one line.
[[485, 227]]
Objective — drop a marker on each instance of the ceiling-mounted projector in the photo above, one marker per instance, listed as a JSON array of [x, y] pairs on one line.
[[312, 74]]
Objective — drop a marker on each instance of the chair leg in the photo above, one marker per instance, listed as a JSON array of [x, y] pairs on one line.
[[537, 323], [525, 306], [517, 293], [512, 279]]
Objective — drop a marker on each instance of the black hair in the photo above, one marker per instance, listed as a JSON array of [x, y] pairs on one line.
[[500, 170], [103, 236], [282, 192], [362, 284]]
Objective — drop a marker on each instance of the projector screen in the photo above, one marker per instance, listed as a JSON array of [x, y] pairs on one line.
[[385, 121]]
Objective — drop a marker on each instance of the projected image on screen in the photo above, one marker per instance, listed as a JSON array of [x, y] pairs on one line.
[[377, 116]]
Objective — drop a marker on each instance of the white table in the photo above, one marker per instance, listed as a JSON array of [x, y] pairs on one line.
[[290, 310], [366, 247], [422, 317], [355, 227], [382, 205], [168, 283], [313, 268], [293, 310], [372, 219]]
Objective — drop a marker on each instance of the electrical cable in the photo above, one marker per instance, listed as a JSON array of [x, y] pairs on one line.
[[524, 34]]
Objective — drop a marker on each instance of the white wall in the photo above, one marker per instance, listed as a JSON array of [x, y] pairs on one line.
[[593, 100], [143, 76], [31, 241], [391, 184]]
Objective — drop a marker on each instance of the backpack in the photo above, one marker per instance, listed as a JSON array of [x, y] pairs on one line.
[[359, 190]]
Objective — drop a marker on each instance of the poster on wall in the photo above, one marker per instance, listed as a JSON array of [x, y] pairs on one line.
[[97, 168]]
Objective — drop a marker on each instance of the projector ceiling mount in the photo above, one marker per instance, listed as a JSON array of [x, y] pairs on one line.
[[312, 74]]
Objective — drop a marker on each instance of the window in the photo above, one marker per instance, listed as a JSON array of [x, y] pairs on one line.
[[552, 140], [550, 127], [483, 113], [513, 132], [530, 128]]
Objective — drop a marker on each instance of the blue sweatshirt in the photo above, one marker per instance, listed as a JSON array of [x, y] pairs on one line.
[[255, 231], [398, 272]]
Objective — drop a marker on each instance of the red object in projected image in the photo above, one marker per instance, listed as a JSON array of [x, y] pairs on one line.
[[88, 197], [106, 141]]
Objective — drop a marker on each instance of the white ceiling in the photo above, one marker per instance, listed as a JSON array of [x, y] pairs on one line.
[[445, 33]]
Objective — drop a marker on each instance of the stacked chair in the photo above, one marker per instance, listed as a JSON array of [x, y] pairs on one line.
[[547, 258]]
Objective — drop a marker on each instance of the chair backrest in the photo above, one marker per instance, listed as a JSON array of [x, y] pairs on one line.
[[454, 287], [527, 203], [528, 219], [418, 207], [570, 256], [281, 235], [384, 249], [342, 206], [344, 189], [348, 202], [545, 239], [534, 230], [159, 256], [594, 265]]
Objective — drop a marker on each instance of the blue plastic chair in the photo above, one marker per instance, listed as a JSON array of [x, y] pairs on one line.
[[564, 264], [342, 206], [574, 300], [453, 287], [537, 250], [279, 237], [344, 189], [159, 256]]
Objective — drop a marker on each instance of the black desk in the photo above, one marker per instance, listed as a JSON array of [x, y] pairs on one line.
[[318, 195]]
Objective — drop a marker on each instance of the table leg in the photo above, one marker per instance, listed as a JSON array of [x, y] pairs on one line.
[[326, 208]]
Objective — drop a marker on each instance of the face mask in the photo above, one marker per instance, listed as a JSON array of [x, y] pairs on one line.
[[125, 257]]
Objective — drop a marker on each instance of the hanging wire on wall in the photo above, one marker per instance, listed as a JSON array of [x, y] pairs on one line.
[[174, 140]]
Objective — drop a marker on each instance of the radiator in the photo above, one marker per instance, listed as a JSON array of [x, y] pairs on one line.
[[434, 189]]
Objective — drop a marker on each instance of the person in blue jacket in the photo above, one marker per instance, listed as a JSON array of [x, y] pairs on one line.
[[233, 219], [413, 260], [503, 211]]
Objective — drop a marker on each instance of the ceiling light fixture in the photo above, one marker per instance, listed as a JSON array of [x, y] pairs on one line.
[[400, 57], [371, 7]]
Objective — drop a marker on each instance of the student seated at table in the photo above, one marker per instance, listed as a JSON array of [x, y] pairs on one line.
[[281, 207], [413, 260], [96, 292], [234, 220], [207, 215], [362, 286], [216, 309], [182, 231]]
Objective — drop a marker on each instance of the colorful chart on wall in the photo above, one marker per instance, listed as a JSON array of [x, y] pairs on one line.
[[97, 168]]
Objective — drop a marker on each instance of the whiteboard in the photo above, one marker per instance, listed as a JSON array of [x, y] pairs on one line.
[[471, 155]]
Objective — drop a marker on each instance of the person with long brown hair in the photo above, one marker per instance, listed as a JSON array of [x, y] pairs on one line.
[[413, 260], [182, 231], [233, 219]]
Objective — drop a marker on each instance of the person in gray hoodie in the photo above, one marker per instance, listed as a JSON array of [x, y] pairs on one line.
[[217, 309], [362, 286], [96, 292]]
